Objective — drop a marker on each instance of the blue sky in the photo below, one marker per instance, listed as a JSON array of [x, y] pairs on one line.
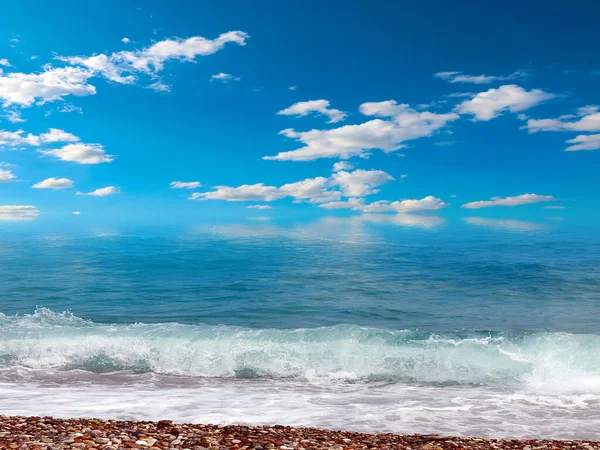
[[433, 110]]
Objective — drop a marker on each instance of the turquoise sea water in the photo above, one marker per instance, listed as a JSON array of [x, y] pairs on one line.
[[337, 324]]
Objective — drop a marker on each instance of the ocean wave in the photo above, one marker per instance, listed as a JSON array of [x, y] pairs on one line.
[[46, 340]]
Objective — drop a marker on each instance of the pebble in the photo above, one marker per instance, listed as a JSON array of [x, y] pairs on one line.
[[37, 433]]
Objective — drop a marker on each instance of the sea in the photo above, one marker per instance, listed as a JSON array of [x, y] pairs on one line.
[[394, 326]]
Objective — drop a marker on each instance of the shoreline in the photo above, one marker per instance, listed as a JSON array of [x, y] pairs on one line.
[[19, 432]]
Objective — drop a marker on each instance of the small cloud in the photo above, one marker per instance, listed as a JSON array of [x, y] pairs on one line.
[[302, 109], [493, 102], [444, 143], [403, 177], [81, 153], [159, 86], [554, 207], [459, 77], [125, 40], [185, 184], [224, 78], [68, 108], [584, 142], [18, 212], [342, 165], [524, 199], [258, 207], [461, 94], [54, 183], [6, 175], [77, 213], [14, 117], [293, 88], [4, 62], [102, 192], [428, 203]]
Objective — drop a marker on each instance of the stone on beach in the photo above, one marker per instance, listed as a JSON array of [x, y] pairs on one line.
[[63, 434]]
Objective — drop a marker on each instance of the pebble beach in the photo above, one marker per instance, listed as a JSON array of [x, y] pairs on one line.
[[54, 434]]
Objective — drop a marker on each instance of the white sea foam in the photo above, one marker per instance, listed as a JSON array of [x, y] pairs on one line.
[[470, 383], [542, 362], [396, 407]]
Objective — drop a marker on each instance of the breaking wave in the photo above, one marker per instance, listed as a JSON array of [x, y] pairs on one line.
[[46, 340]]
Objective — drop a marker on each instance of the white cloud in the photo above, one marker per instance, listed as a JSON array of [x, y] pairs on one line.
[[428, 203], [6, 176], [582, 142], [342, 165], [185, 184], [461, 94], [490, 104], [81, 153], [77, 213], [504, 224], [293, 88], [101, 65], [587, 119], [122, 67], [19, 138], [459, 77], [14, 117], [356, 140], [524, 199], [67, 108], [355, 204], [258, 207], [4, 62], [313, 190], [125, 40], [102, 192], [224, 78], [159, 86], [246, 192], [54, 183], [50, 85], [554, 207], [57, 135], [181, 49], [18, 212], [360, 183], [302, 109]]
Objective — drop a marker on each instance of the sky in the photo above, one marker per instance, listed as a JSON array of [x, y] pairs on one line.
[[414, 113]]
